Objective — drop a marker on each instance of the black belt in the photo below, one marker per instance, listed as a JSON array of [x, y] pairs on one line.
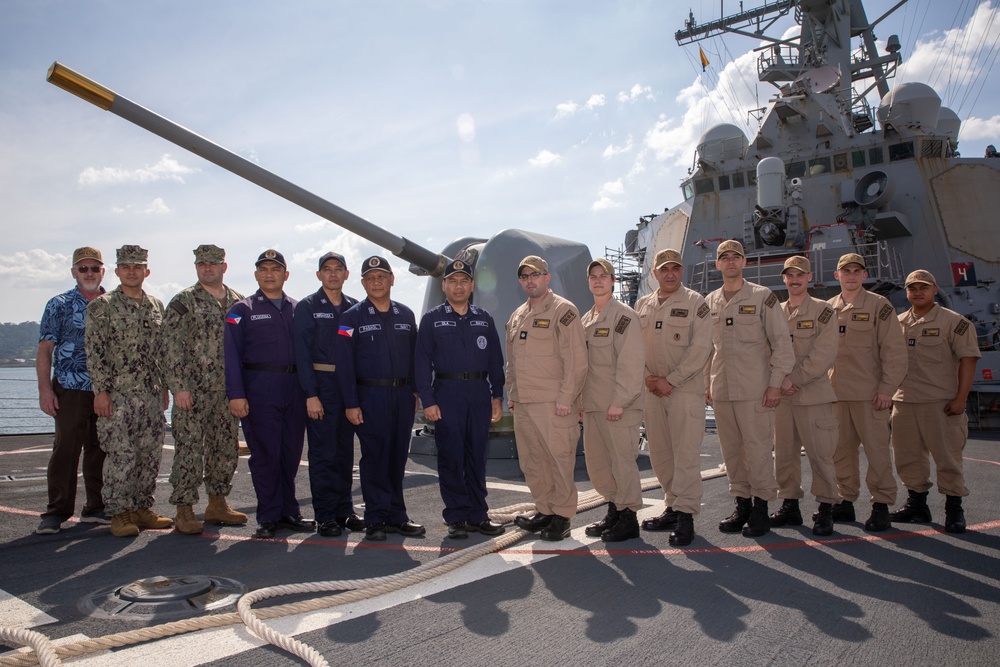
[[478, 375], [270, 368], [387, 382]]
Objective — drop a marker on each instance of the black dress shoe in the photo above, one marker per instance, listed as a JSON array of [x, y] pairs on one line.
[[407, 529], [353, 523], [486, 527], [534, 523], [457, 530], [330, 529], [297, 523], [266, 530], [375, 532], [558, 529], [666, 521]]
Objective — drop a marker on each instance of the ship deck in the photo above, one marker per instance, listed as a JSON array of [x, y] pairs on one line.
[[912, 595]]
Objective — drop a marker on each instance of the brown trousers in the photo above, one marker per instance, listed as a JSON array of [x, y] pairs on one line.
[[611, 448], [809, 427], [861, 423], [546, 452], [746, 434], [76, 433], [921, 431], [675, 426]]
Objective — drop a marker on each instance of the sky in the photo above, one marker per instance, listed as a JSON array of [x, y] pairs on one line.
[[434, 119]]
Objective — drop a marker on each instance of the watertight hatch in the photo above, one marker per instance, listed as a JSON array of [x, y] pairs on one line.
[[162, 597]]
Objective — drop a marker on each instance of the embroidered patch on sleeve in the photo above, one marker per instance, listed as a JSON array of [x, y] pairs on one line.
[[885, 312], [771, 300], [178, 308], [825, 316], [962, 327], [623, 323], [567, 318], [704, 310]]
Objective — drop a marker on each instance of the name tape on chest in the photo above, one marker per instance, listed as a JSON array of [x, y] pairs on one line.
[[370, 327], [324, 316], [861, 317], [541, 324], [254, 318], [445, 323], [478, 323], [402, 327], [748, 310], [602, 332], [805, 324], [930, 332], [678, 312]]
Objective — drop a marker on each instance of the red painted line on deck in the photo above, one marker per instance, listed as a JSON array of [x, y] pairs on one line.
[[966, 458]]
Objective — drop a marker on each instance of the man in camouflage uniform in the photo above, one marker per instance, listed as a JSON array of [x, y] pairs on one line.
[[123, 345], [205, 432]]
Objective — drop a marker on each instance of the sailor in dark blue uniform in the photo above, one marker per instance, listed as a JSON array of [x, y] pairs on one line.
[[460, 378], [375, 371], [264, 393], [331, 436]]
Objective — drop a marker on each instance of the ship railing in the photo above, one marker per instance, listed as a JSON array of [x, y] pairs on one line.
[[780, 63]]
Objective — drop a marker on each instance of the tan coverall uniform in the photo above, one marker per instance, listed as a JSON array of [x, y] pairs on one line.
[[871, 359], [806, 418], [547, 364], [751, 351], [614, 378], [936, 343], [677, 335]]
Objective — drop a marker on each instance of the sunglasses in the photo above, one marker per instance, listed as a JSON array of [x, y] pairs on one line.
[[90, 269]]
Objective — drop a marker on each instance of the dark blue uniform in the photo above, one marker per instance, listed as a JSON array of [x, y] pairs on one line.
[[375, 371], [331, 439], [260, 367], [466, 351]]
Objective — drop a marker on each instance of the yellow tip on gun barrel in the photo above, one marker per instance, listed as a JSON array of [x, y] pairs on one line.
[[79, 85]]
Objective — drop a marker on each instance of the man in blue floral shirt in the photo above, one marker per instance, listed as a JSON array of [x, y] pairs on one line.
[[64, 392]]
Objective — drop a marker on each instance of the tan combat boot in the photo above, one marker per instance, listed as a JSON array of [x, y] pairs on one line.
[[186, 522], [219, 511], [123, 526], [147, 518]]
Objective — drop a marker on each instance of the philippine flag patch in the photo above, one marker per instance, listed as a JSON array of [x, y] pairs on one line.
[[233, 319], [346, 331]]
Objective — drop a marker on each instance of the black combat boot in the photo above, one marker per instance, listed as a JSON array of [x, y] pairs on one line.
[[734, 522], [823, 523], [558, 529], [954, 515], [914, 510], [665, 521], [684, 533], [879, 520], [595, 529], [758, 523], [787, 515], [626, 528], [842, 512]]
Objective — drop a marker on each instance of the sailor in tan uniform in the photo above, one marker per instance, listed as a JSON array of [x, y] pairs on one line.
[[612, 405], [871, 362], [677, 334], [546, 369], [748, 369], [928, 414], [805, 418]]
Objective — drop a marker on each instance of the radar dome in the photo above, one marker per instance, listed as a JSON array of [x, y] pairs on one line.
[[910, 105], [949, 124], [722, 142]]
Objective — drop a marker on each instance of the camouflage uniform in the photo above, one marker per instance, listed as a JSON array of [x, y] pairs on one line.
[[206, 437], [123, 345]]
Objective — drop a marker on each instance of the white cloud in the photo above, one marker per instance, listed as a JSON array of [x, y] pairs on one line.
[[974, 129], [315, 226], [155, 207], [596, 100], [606, 195], [167, 169], [35, 266], [613, 150], [544, 159], [566, 109], [635, 93]]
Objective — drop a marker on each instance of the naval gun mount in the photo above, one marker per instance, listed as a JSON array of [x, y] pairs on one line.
[[494, 260]]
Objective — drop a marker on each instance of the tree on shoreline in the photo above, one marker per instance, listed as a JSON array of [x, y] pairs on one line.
[[18, 343]]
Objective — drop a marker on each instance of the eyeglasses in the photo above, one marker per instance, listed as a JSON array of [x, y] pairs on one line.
[[91, 269], [530, 276]]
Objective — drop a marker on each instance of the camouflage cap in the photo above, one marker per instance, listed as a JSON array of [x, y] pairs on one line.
[[132, 254], [851, 258], [457, 266], [331, 255], [667, 256], [87, 252], [797, 262], [729, 246], [210, 254], [376, 263], [604, 264], [920, 276], [533, 262], [271, 255]]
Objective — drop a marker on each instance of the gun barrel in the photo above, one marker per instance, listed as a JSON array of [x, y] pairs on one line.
[[95, 93]]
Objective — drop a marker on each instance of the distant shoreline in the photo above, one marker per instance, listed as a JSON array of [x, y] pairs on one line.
[[27, 364]]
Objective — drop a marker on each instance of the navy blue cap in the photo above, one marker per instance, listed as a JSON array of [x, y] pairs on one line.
[[457, 266], [271, 255], [376, 263], [332, 255]]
